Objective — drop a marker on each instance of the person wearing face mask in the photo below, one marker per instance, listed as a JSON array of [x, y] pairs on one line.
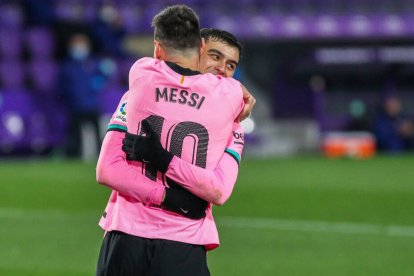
[[80, 83]]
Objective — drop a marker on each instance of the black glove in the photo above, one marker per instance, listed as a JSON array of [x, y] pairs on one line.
[[147, 148], [183, 202]]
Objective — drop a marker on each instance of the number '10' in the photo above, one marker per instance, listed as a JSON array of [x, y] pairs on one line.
[[175, 138]]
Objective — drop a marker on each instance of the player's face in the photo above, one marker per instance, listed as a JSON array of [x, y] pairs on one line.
[[219, 59]]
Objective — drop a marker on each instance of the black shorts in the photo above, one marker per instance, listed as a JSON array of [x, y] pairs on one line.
[[122, 254]]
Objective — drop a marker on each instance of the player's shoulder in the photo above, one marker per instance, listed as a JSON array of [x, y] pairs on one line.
[[143, 66], [143, 61], [233, 89], [220, 79], [226, 85]]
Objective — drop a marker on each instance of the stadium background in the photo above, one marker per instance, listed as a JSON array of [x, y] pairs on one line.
[[310, 64]]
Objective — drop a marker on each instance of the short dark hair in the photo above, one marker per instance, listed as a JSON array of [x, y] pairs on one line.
[[222, 36], [177, 27]]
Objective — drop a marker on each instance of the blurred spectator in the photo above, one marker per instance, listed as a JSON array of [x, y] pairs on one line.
[[80, 83], [394, 131], [108, 31], [359, 119]]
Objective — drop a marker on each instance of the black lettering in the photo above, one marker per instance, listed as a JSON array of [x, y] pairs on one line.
[[160, 94], [156, 122], [238, 135], [183, 97], [173, 95], [201, 102], [194, 97], [190, 129]]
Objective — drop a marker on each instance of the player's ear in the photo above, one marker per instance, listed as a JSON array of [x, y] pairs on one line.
[[202, 46], [157, 50]]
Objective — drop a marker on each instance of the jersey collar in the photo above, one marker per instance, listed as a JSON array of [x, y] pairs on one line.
[[181, 70]]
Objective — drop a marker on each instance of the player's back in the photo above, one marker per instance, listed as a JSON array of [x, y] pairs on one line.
[[192, 113], [194, 116]]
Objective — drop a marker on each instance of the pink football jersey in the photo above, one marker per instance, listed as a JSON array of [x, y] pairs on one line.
[[194, 115]]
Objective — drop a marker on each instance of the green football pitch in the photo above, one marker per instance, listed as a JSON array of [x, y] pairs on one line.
[[289, 216]]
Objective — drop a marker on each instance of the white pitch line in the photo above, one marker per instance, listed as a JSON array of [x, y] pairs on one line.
[[316, 226], [239, 222]]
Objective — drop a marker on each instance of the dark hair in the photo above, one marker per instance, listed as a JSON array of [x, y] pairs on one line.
[[222, 36], [177, 27]]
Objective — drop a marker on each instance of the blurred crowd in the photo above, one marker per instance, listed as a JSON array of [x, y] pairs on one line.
[[58, 74], [64, 65], [393, 128]]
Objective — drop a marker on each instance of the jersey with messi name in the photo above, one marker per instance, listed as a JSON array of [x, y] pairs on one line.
[[194, 115]]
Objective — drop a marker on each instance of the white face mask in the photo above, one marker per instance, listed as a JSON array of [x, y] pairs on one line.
[[79, 51]]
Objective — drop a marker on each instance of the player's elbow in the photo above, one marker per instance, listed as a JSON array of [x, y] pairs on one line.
[[219, 197], [222, 195], [99, 176], [219, 201], [102, 175], [214, 195]]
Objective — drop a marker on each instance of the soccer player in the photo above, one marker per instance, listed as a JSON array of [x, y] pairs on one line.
[[154, 240], [221, 57]]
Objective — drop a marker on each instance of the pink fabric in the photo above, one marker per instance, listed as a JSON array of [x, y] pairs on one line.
[[130, 207], [114, 171], [215, 185]]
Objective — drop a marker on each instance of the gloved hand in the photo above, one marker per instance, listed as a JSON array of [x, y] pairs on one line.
[[181, 201], [147, 148]]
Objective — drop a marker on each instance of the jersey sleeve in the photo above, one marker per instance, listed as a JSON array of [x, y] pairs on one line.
[[235, 144], [119, 174], [234, 95], [137, 103], [118, 121], [137, 69], [213, 186]]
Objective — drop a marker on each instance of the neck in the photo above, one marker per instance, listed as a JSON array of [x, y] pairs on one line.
[[190, 61]]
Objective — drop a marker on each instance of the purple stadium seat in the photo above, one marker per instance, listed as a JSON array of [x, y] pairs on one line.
[[49, 121], [110, 99], [12, 75], [132, 17], [43, 74], [90, 11], [30, 124], [47, 131], [15, 108], [10, 44], [40, 42], [77, 10], [124, 66], [11, 15]]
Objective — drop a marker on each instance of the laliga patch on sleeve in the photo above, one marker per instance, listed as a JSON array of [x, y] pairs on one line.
[[121, 113], [238, 137]]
